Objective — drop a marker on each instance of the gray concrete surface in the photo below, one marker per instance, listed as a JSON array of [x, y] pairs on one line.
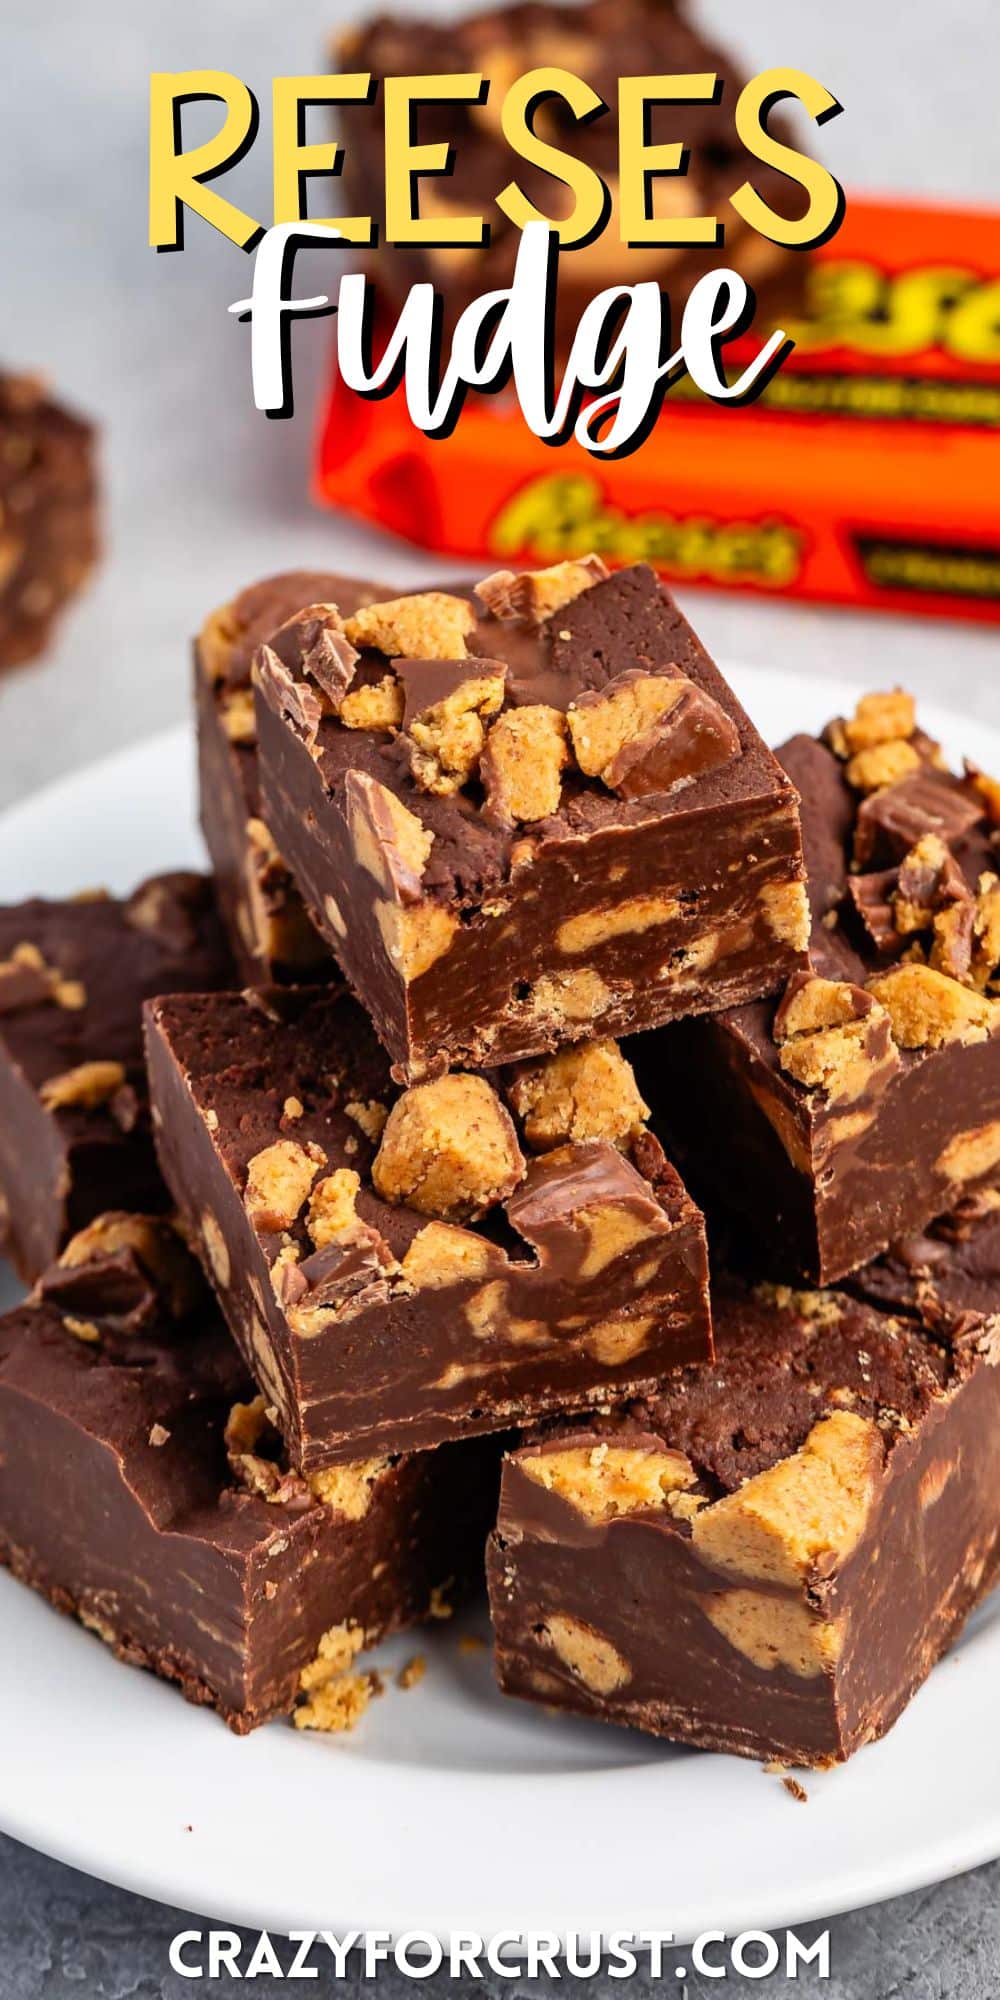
[[203, 494], [63, 1934]]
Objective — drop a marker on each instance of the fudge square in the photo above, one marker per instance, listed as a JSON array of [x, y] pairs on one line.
[[270, 935], [141, 1480], [529, 818], [600, 40], [868, 1099], [402, 1267], [75, 1136], [769, 1556]]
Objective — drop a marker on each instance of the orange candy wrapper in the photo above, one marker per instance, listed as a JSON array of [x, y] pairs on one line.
[[868, 474]]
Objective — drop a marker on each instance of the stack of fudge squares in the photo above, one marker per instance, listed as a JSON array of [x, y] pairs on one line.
[[383, 1255]]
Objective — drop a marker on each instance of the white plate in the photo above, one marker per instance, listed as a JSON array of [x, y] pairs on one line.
[[450, 1808]]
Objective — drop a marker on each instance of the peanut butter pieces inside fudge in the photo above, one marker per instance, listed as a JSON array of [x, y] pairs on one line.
[[141, 1478], [75, 1135], [527, 815], [48, 514], [768, 1555], [404, 1266], [864, 1103]]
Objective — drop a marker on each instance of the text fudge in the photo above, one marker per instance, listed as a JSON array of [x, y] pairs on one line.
[[528, 817], [401, 1267]]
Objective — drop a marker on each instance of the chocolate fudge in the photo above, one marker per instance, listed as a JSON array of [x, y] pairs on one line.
[[947, 1274], [141, 1481], [768, 1556], [529, 817], [75, 1135], [867, 1100], [271, 937], [599, 42], [48, 513], [400, 1268]]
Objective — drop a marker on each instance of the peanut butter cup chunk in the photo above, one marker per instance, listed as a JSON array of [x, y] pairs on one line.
[[522, 765], [449, 1149], [587, 1091], [533, 595], [429, 626]]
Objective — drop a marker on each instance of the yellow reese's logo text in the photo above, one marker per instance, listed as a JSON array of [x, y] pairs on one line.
[[561, 513]]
